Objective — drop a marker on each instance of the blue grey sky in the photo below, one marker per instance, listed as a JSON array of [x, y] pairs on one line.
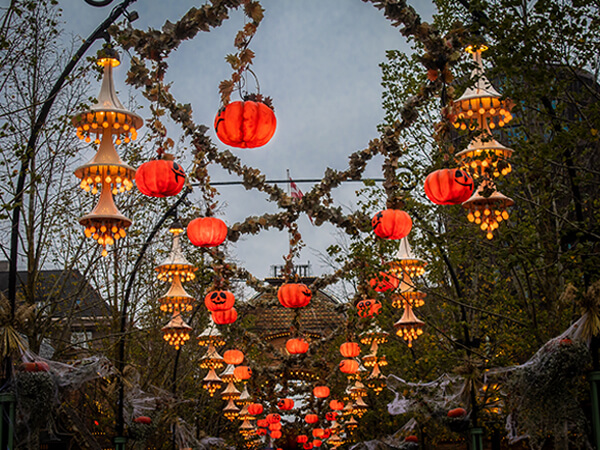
[[318, 60]]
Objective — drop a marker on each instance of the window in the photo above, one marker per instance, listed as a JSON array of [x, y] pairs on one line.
[[81, 339]]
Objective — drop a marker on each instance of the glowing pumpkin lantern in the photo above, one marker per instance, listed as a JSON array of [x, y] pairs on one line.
[[391, 224], [449, 186], [311, 418], [234, 357], [296, 346], [273, 418], [207, 231], [219, 301], [276, 434], [336, 405], [321, 391], [224, 317], [242, 373], [245, 124], [294, 295], [349, 366], [384, 282], [350, 349], [160, 178], [285, 404], [254, 409], [368, 308]]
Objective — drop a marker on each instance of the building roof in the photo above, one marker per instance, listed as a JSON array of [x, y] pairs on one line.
[[62, 292], [317, 319]]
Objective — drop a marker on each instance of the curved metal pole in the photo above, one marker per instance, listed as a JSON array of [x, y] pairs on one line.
[[120, 424]]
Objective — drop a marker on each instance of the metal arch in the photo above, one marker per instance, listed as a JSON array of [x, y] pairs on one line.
[[98, 3]]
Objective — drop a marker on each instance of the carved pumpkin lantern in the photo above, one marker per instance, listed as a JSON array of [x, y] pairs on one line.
[[449, 186], [261, 432], [207, 231], [384, 282], [349, 366], [391, 224], [294, 295], [368, 308], [285, 404], [245, 124], [160, 177], [219, 301], [336, 405], [321, 391], [296, 346], [224, 317], [234, 357], [242, 373], [273, 418], [301, 438], [311, 418], [350, 349]]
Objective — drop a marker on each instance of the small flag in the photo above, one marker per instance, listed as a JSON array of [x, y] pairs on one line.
[[296, 193]]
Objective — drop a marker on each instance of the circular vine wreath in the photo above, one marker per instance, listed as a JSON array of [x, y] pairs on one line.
[[155, 46]]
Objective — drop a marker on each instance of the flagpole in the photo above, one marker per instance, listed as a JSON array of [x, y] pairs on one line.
[[289, 191]]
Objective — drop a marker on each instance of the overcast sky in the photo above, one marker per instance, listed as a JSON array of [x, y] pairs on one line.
[[318, 60]]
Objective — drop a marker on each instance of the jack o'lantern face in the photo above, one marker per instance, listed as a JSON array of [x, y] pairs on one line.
[[368, 308], [177, 171], [463, 179], [219, 301]]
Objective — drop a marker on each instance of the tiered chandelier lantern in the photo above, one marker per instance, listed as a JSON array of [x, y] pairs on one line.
[[376, 381], [212, 359], [409, 327], [211, 335], [211, 382], [488, 212], [176, 332], [106, 172]]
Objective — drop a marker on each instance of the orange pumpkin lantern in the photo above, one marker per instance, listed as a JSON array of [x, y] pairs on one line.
[[245, 124], [317, 432], [261, 432], [273, 418], [336, 405], [219, 300], [285, 404], [307, 446], [275, 426], [254, 409], [301, 439], [263, 423], [317, 443], [331, 416], [160, 178], [242, 373], [350, 349], [326, 433], [143, 420], [276, 434], [234, 357], [349, 366], [384, 282], [321, 391], [449, 186], [207, 231], [391, 224], [457, 412], [411, 438], [296, 346], [294, 295], [368, 308], [224, 317], [311, 418]]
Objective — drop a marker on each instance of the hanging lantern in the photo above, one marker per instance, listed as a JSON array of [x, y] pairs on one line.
[[335, 441], [160, 177], [230, 392], [245, 397], [321, 391], [246, 428], [255, 409], [317, 443], [212, 359], [176, 299], [384, 282], [391, 224], [307, 446], [317, 432], [488, 212], [176, 268], [374, 334], [484, 156], [336, 405], [219, 301], [207, 231], [276, 434], [301, 439], [231, 411], [411, 438], [273, 418], [242, 373], [409, 327], [311, 418], [294, 295], [360, 407], [296, 346], [211, 382], [224, 317], [448, 186], [480, 105], [331, 416], [234, 357], [358, 390], [108, 117], [349, 366], [368, 307], [211, 335], [350, 349], [457, 413], [371, 359], [176, 332], [245, 124], [351, 424], [285, 404], [376, 381], [262, 423], [275, 426]]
